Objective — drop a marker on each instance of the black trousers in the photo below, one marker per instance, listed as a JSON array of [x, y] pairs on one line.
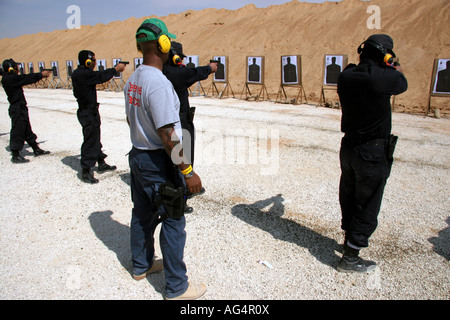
[[20, 127], [364, 172], [188, 140], [91, 149]]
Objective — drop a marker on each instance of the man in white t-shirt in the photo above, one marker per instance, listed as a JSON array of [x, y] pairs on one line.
[[159, 173]]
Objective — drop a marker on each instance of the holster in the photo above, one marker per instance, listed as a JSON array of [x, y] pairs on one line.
[[390, 148], [173, 199]]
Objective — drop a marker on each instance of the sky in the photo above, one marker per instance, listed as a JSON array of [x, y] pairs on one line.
[[19, 17]]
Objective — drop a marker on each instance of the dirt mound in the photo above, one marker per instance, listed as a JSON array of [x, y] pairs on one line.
[[419, 30]]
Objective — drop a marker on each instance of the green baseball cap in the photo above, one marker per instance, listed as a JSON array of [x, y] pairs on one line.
[[153, 28]]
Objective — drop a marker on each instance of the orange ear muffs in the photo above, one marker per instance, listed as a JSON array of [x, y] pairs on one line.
[[389, 59]]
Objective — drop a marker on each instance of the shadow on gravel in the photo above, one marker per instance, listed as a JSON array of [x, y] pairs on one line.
[[116, 237], [441, 243], [72, 162], [271, 221]]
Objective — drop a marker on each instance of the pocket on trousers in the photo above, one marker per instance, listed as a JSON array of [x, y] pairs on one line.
[[373, 153]]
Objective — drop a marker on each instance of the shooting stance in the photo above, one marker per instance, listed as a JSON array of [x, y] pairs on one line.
[[18, 111], [85, 80], [159, 171], [367, 148]]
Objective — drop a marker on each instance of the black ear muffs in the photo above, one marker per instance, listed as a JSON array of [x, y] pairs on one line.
[[164, 43]]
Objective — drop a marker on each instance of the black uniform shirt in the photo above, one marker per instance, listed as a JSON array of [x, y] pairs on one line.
[[182, 78], [12, 84], [85, 80], [365, 91]]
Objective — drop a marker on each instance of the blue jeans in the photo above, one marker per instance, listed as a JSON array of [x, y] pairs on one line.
[[149, 169]]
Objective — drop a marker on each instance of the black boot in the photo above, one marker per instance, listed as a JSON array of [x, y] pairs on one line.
[[87, 176], [38, 151], [351, 262], [103, 167], [17, 158]]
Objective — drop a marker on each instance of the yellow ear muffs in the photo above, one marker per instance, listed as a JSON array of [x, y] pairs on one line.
[[10, 70], [88, 63], [164, 43]]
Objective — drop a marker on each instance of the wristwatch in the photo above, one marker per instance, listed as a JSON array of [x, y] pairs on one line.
[[189, 175]]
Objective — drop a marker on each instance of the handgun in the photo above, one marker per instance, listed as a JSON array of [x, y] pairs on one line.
[[47, 70], [213, 61], [124, 62]]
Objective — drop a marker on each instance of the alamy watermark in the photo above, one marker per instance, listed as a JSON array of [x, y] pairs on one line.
[[258, 147], [74, 20], [374, 21]]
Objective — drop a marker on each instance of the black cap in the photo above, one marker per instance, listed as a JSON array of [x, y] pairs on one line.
[[178, 48], [8, 63], [382, 40]]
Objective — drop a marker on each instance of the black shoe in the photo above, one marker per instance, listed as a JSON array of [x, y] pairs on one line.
[[356, 265], [88, 177], [188, 209], [351, 262], [39, 152], [103, 167], [19, 159]]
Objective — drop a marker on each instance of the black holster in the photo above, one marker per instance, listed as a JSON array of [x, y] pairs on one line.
[[390, 148], [173, 199], [191, 114]]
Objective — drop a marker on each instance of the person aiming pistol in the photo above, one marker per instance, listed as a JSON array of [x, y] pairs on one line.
[[21, 130], [367, 148], [84, 81]]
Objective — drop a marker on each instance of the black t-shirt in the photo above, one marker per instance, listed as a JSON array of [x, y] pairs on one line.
[[85, 80], [365, 91]]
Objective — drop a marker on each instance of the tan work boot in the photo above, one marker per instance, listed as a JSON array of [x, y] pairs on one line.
[[193, 292], [156, 267]]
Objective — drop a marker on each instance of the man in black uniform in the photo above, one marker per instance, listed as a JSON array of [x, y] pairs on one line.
[[85, 80], [18, 111], [367, 146], [182, 78]]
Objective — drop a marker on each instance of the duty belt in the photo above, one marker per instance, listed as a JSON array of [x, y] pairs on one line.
[[359, 141]]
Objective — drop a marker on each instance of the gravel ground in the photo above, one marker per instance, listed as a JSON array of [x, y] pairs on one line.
[[275, 200]]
